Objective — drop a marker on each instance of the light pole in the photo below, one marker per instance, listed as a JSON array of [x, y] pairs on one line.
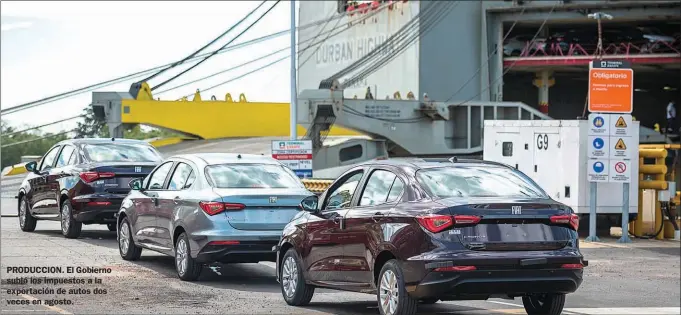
[[294, 89], [598, 16]]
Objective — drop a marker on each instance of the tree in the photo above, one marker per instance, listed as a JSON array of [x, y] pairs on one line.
[[31, 144], [91, 126]]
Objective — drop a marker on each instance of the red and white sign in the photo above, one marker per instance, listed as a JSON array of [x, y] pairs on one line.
[[620, 172], [295, 154]]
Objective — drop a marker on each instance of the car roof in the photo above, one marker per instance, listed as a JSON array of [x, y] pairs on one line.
[[102, 140], [425, 163], [225, 158]]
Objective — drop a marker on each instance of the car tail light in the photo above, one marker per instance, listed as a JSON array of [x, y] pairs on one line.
[[436, 223], [572, 266], [569, 219], [99, 203], [90, 177], [214, 207], [456, 268], [467, 219], [223, 243]]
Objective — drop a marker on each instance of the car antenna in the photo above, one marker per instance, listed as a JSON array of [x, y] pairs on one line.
[[453, 159], [112, 138], [238, 156]]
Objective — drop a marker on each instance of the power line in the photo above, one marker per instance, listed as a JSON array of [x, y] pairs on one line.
[[207, 45], [243, 75], [41, 138], [41, 126], [138, 74], [223, 46], [330, 33]]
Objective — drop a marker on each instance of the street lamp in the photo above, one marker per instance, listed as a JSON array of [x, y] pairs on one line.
[[598, 16]]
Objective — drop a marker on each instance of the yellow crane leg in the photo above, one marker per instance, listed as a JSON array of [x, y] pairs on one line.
[[214, 119]]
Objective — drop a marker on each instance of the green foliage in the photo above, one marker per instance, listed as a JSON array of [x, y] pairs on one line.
[[12, 155], [88, 127]]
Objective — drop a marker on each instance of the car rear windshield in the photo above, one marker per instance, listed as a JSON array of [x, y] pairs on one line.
[[477, 181], [252, 176], [120, 152]]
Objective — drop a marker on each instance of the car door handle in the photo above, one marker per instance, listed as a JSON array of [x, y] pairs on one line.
[[177, 200], [378, 216]]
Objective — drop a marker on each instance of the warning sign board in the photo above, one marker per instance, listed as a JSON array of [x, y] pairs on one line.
[[611, 90], [620, 125], [620, 171], [621, 147]]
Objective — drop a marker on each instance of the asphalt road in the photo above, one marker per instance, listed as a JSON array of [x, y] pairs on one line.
[[642, 278]]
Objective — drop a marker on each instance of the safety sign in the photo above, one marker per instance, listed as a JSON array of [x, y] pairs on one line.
[[296, 155], [620, 171], [611, 90], [599, 147], [621, 148], [621, 125], [599, 124], [598, 170]]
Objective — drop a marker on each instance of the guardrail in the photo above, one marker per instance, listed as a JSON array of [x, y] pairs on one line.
[[624, 48]]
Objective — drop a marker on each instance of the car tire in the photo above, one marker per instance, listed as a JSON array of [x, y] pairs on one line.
[[294, 289], [547, 304], [70, 228], [27, 222], [111, 227], [187, 268], [126, 244], [429, 301], [392, 294]]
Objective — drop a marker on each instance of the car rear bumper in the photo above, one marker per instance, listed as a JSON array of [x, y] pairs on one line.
[[243, 252], [99, 208], [483, 284]]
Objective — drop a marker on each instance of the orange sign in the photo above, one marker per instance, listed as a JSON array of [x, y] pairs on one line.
[[611, 90]]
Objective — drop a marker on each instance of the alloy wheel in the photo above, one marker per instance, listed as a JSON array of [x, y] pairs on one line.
[[389, 292], [181, 256], [124, 238], [65, 218], [22, 214], [289, 276]]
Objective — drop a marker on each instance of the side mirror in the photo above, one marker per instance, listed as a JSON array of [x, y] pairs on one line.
[[32, 166], [135, 184], [309, 204]]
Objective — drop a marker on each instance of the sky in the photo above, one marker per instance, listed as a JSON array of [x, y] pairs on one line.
[[50, 47]]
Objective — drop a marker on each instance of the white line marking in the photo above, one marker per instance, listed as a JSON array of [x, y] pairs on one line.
[[269, 264], [626, 310], [505, 303]]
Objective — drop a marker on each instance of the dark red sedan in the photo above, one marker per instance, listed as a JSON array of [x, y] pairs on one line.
[[412, 232]]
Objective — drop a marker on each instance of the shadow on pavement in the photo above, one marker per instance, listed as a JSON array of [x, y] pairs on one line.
[[371, 307]]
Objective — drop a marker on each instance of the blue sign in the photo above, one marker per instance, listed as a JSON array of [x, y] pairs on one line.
[[303, 173], [598, 143], [599, 122], [599, 167]]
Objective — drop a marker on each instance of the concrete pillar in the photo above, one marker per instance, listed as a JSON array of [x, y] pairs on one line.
[[543, 81], [496, 62]]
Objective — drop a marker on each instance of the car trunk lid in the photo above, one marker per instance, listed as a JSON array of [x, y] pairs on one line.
[[114, 177], [261, 209], [495, 224]]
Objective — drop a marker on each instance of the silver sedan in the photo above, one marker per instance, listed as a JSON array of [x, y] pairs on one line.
[[203, 208]]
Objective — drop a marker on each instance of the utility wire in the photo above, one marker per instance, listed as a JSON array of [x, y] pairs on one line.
[[41, 126], [514, 62], [489, 57], [330, 33], [138, 74], [207, 45], [223, 46], [36, 139], [423, 27]]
